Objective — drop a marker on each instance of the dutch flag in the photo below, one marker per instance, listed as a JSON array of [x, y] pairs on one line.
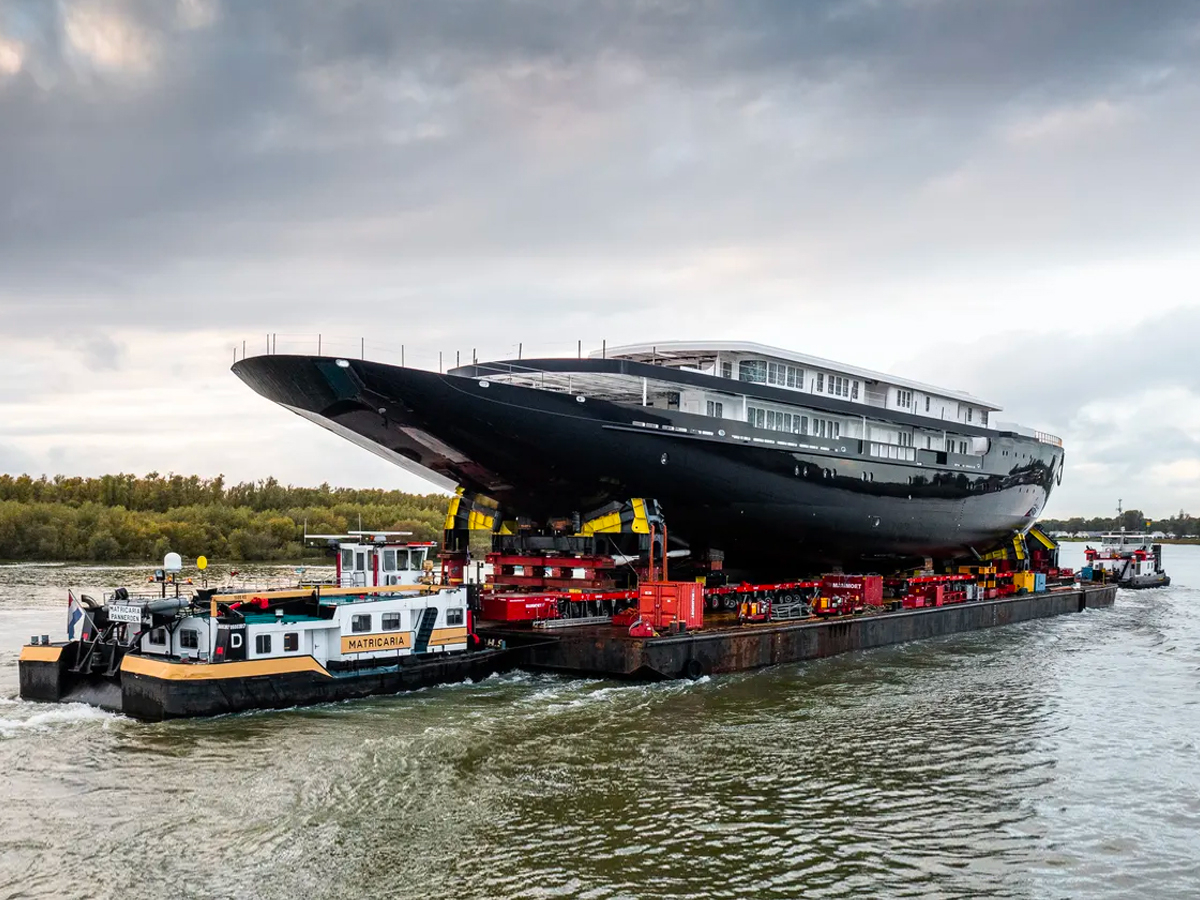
[[74, 614]]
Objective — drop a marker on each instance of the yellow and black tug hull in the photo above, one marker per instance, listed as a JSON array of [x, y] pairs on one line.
[[154, 689]]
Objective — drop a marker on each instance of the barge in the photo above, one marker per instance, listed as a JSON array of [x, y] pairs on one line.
[[724, 646]]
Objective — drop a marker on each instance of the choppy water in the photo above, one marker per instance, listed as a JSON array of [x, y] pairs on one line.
[[1058, 758]]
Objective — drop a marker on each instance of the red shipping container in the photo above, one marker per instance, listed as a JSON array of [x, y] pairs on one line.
[[519, 609], [662, 602], [861, 590]]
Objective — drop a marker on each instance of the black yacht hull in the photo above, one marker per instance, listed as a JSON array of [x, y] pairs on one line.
[[738, 489]]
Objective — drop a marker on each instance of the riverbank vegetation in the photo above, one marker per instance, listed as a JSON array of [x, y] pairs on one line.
[[1181, 525], [126, 517]]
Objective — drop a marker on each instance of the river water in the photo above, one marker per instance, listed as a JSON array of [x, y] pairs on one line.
[[1057, 758]]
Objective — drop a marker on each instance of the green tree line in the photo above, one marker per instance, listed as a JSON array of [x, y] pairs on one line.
[[1181, 524], [126, 517]]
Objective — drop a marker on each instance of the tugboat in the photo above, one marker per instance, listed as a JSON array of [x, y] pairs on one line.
[[383, 626], [1128, 559]]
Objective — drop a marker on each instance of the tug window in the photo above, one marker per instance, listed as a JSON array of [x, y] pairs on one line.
[[360, 623], [189, 639], [158, 636], [389, 560], [347, 560], [262, 643], [391, 621], [454, 617], [291, 642]]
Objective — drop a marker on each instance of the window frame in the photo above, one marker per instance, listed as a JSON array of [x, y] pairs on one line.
[[262, 644], [360, 623], [292, 637], [189, 634], [391, 621]]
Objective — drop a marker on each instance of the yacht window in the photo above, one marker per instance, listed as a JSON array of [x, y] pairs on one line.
[[905, 439], [904, 398], [189, 639], [756, 417], [158, 636], [715, 409], [360, 623], [291, 642], [839, 386], [752, 370], [970, 414], [926, 404], [821, 429], [262, 643], [347, 560], [672, 399], [820, 382], [389, 560], [726, 370], [454, 617], [391, 621], [804, 424], [854, 391]]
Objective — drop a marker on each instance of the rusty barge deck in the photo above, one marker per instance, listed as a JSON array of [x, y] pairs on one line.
[[723, 646]]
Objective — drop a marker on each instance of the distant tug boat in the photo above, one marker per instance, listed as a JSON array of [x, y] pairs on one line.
[[380, 627], [1128, 559]]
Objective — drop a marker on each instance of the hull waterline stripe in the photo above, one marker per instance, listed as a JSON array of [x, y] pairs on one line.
[[171, 671]]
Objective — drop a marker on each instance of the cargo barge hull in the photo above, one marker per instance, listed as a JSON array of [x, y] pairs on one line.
[[612, 652]]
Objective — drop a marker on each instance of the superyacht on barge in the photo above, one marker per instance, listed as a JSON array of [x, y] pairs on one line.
[[773, 457]]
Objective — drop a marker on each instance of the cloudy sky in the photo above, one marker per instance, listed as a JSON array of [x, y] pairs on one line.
[[998, 197]]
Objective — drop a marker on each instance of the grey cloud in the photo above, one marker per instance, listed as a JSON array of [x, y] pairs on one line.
[[389, 134]]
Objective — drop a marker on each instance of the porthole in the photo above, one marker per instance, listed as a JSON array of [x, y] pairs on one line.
[[343, 363], [721, 432], [663, 459], [485, 384], [579, 399]]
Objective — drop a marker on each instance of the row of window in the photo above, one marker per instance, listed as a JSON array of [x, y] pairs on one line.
[[291, 642], [760, 371], [189, 639], [794, 423], [391, 621], [390, 560]]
